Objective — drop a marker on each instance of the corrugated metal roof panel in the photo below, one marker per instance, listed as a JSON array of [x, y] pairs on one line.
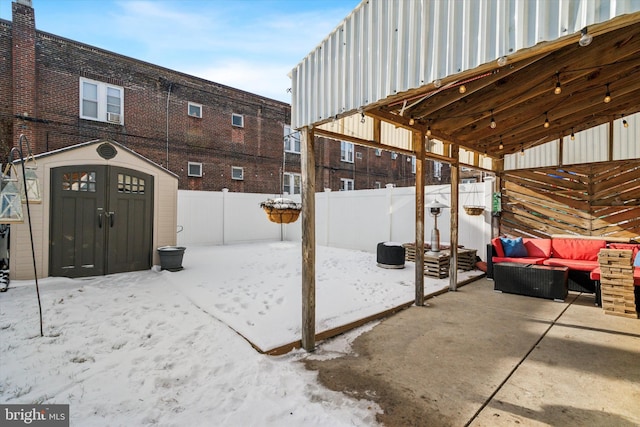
[[385, 47], [587, 147]]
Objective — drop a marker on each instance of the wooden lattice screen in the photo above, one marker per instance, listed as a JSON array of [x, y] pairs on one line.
[[596, 199]]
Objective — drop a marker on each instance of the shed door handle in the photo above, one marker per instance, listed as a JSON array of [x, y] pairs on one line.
[[111, 215]]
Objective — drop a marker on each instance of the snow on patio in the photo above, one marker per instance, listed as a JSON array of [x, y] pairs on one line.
[[152, 347]]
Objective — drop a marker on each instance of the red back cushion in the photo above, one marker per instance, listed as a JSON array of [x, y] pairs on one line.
[[633, 246], [579, 249], [497, 244], [540, 248]]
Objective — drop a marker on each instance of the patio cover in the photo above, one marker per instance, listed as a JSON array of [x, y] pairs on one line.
[[396, 74]]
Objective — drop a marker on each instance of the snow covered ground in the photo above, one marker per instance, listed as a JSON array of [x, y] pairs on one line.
[[159, 347]]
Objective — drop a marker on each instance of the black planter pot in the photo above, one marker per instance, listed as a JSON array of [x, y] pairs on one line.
[[171, 257]]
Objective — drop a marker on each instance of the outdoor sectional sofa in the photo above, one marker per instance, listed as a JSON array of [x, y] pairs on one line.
[[579, 255]]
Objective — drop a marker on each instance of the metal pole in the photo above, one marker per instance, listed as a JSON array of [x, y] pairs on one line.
[[33, 251]]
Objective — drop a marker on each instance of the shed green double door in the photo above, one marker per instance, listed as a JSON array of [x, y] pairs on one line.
[[101, 221]]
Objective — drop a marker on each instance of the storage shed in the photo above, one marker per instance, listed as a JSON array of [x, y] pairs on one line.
[[105, 209]]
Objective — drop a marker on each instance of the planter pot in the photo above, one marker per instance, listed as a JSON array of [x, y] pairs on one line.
[[171, 257]]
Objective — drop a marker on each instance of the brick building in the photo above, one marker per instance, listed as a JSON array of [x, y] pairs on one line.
[[60, 92]]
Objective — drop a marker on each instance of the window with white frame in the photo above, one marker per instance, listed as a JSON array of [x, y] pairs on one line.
[[346, 151], [468, 180], [437, 169], [346, 184], [237, 120], [194, 110], [292, 183], [291, 140], [194, 169], [101, 101], [237, 173]]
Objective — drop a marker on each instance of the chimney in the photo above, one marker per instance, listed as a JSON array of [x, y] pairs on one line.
[[24, 71]]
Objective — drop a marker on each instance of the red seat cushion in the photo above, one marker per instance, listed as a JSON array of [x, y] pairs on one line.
[[523, 260], [573, 264], [497, 244], [540, 248], [577, 249]]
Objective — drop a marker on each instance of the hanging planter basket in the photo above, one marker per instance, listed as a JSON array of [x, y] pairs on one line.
[[474, 210], [281, 211]]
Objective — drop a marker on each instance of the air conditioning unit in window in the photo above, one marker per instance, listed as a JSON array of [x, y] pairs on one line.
[[113, 118]]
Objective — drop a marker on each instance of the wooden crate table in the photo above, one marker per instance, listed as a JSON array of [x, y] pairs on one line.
[[466, 259], [616, 282], [436, 264]]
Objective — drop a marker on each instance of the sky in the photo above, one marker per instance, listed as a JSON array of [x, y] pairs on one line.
[[172, 348], [246, 44]]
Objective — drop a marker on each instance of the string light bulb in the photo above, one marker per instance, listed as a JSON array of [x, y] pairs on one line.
[[624, 122], [522, 149], [607, 96], [493, 121], [573, 135], [501, 146], [429, 130], [412, 121], [558, 88], [546, 120], [462, 89], [585, 38], [362, 119]]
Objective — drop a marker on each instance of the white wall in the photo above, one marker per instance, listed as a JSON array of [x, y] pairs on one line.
[[345, 219]]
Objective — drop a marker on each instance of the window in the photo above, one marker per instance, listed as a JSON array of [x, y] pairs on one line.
[[194, 110], [378, 152], [194, 169], [437, 169], [394, 155], [468, 180], [237, 173], [359, 155], [79, 181], [130, 184], [292, 183], [413, 164], [100, 101], [346, 151], [291, 140], [237, 120], [346, 184]]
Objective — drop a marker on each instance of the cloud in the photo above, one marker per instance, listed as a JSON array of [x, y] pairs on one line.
[[269, 80]]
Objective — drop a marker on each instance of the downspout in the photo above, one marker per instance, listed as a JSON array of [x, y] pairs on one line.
[[167, 112]]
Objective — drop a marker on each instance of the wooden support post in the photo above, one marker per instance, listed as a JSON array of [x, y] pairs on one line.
[[418, 144], [610, 156], [453, 260], [308, 240]]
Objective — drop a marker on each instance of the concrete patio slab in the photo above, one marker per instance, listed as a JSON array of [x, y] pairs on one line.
[[478, 357]]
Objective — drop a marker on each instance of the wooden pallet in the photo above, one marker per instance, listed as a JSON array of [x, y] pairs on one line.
[[434, 265], [616, 283], [466, 259]]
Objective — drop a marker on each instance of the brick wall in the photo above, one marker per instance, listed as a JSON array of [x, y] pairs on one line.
[[45, 82]]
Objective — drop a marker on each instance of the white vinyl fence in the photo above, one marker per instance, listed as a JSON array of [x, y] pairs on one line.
[[346, 219]]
